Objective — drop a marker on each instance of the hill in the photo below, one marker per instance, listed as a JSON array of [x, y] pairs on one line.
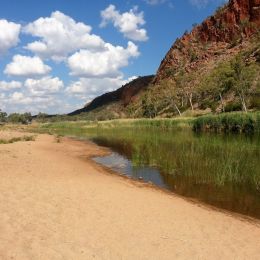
[[118, 99], [213, 68]]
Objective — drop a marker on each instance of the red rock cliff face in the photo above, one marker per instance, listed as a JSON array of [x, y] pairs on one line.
[[239, 19]]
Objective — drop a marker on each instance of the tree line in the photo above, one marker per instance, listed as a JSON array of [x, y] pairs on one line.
[[15, 118]]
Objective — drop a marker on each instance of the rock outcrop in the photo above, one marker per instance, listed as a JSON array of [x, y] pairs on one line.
[[232, 23], [219, 38]]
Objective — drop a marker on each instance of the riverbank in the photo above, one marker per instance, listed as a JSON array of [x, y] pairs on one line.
[[56, 203], [233, 122]]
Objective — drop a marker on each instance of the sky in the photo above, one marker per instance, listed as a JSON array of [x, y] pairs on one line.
[[57, 55]]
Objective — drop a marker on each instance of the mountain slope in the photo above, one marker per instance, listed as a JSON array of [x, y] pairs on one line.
[[122, 96], [214, 68], [231, 24]]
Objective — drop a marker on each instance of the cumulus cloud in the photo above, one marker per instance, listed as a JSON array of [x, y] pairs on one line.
[[19, 101], [60, 35], [36, 95], [44, 86], [5, 86], [102, 64], [127, 23], [25, 66], [19, 98], [89, 88], [9, 35], [2, 96], [96, 63]]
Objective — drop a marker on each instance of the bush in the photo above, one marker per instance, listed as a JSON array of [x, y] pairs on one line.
[[17, 118], [255, 102], [234, 106]]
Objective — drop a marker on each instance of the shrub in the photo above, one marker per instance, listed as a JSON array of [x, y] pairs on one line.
[[234, 106]]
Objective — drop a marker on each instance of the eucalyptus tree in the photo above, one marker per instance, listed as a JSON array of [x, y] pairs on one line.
[[3, 116], [243, 76]]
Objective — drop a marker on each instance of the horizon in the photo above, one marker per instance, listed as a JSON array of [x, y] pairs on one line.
[[56, 57]]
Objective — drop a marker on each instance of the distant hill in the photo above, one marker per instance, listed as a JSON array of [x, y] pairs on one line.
[[213, 68], [122, 96]]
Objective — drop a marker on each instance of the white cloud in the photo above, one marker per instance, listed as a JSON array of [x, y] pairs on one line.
[[88, 89], [5, 86], [102, 64], [88, 56], [35, 95], [19, 101], [19, 98], [127, 23], [26, 66], [9, 35], [2, 96], [60, 36], [43, 86]]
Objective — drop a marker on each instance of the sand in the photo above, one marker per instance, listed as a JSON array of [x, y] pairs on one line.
[[55, 203], [8, 135]]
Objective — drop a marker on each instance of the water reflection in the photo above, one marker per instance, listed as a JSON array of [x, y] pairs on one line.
[[219, 170]]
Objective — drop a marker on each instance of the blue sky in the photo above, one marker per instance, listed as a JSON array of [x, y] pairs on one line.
[[56, 55]]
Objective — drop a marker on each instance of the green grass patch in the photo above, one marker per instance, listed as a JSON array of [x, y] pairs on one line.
[[228, 122]]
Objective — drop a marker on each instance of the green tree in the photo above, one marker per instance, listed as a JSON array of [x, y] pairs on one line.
[[170, 95], [16, 118], [3, 116], [42, 117], [218, 82], [28, 117], [149, 106], [244, 76]]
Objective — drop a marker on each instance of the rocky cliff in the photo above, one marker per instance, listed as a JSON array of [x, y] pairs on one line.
[[231, 24], [200, 71]]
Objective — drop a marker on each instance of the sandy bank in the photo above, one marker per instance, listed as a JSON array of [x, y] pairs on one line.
[[57, 204]]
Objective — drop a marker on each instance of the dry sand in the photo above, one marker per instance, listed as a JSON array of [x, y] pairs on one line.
[[8, 135], [55, 203]]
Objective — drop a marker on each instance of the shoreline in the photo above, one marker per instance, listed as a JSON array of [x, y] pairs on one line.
[[52, 193], [141, 183], [150, 185]]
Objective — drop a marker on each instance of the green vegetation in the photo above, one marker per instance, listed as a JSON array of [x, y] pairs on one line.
[[231, 85], [235, 122], [218, 169], [15, 118], [229, 122], [80, 127]]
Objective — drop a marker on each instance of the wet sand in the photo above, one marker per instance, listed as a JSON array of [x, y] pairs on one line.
[[56, 203]]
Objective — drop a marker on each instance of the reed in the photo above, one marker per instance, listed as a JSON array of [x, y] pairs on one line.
[[229, 122]]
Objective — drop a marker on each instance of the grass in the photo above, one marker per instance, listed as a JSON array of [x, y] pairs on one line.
[[17, 139], [211, 167], [79, 126], [229, 122], [235, 122], [171, 144]]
